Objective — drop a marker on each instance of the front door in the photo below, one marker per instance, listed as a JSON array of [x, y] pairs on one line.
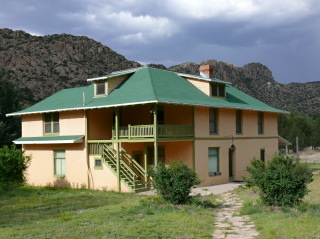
[[231, 154]]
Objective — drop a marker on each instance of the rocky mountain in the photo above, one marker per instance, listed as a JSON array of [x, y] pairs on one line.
[[43, 65], [256, 80]]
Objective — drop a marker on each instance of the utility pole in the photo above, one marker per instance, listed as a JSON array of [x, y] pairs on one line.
[[297, 146]]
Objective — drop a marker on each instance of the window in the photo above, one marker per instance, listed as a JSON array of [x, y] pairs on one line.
[[260, 122], [238, 121], [60, 163], [51, 123], [218, 90], [213, 121], [98, 163], [100, 88], [262, 155], [214, 165]]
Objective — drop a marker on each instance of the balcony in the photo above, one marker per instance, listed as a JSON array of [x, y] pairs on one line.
[[148, 131]]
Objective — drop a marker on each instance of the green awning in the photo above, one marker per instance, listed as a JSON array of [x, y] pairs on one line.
[[70, 139]]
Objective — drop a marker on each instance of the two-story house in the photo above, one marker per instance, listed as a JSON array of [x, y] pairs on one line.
[[107, 135]]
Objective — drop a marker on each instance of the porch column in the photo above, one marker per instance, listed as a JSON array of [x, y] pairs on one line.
[[193, 142], [145, 149], [117, 149], [155, 126]]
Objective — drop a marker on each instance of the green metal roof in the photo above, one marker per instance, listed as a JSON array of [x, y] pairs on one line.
[[70, 139], [143, 86]]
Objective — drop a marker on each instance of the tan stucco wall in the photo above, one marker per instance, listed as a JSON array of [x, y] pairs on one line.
[[104, 179], [227, 123], [100, 124], [137, 115], [70, 122], [177, 115], [32, 125], [246, 150]]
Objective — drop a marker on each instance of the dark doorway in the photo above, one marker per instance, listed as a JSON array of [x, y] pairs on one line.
[[231, 164]]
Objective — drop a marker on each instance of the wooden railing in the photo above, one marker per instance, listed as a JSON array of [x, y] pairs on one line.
[[148, 131]]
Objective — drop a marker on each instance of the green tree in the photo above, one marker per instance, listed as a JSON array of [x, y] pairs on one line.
[[174, 181], [10, 128], [13, 164], [316, 132], [281, 182], [296, 125]]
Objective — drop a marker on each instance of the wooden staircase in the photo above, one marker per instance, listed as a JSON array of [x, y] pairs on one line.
[[131, 173]]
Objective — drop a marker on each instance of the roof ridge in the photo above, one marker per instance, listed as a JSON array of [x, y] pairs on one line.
[[152, 84]]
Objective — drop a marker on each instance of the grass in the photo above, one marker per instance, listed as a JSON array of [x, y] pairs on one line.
[[30, 212], [303, 221]]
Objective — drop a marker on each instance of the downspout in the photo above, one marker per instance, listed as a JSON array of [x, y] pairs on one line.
[[155, 126], [87, 149]]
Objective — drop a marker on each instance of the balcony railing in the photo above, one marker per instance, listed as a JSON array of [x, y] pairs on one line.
[[148, 131]]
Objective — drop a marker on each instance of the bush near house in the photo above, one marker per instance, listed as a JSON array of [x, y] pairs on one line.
[[281, 182], [13, 164], [174, 181]]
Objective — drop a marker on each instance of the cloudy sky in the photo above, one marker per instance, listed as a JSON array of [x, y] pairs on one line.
[[283, 35]]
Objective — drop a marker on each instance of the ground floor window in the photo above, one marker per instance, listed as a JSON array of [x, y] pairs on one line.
[[98, 163], [214, 164], [262, 155], [60, 163]]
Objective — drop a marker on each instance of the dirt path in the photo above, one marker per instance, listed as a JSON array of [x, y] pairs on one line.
[[228, 222]]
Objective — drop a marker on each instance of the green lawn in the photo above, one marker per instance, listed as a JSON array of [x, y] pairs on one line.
[[65, 213], [300, 222]]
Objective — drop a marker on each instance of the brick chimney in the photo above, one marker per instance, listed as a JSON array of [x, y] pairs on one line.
[[207, 70]]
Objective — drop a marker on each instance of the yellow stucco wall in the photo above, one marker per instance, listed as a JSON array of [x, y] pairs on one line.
[[32, 125], [103, 179], [41, 170]]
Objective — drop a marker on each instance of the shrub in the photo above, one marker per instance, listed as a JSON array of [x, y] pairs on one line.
[[281, 182], [13, 164], [173, 182]]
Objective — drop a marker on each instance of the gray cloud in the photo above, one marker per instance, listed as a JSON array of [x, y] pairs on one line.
[[282, 35]]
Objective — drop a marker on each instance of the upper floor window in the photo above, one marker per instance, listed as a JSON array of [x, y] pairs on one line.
[[213, 121], [218, 90], [238, 122], [100, 88], [260, 122], [51, 123]]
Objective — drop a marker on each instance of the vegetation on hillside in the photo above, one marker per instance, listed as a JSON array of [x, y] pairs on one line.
[[10, 127], [306, 128]]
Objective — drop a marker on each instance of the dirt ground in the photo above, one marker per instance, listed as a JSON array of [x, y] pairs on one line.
[[310, 155]]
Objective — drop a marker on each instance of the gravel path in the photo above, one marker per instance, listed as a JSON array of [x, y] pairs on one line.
[[228, 222]]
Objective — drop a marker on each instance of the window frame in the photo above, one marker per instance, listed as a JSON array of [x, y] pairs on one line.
[[63, 159], [239, 122], [216, 88], [51, 122], [213, 121], [218, 172], [96, 88], [98, 167], [260, 122]]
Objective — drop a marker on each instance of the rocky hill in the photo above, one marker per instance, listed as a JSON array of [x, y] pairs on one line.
[[43, 65], [256, 80]]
